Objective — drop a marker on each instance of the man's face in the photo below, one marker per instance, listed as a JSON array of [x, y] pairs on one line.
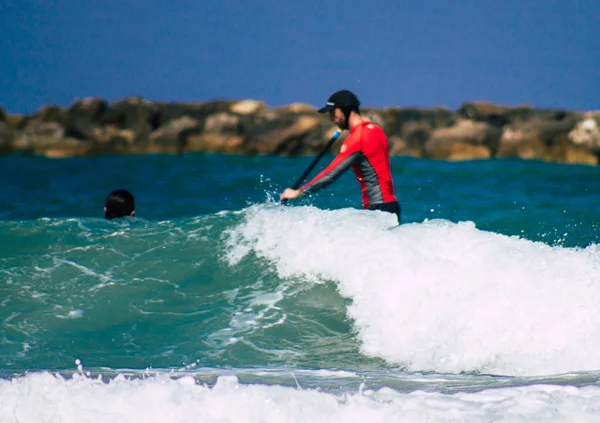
[[337, 116]]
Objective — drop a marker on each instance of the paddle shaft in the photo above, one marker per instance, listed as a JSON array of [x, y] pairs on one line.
[[316, 160]]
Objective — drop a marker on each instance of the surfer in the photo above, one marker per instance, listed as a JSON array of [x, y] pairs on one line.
[[365, 150], [119, 203]]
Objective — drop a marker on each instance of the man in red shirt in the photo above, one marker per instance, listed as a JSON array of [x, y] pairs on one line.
[[365, 150]]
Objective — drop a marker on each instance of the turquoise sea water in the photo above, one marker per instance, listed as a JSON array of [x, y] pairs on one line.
[[215, 303]]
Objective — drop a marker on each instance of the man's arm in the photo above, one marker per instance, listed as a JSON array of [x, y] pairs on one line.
[[336, 168], [349, 153]]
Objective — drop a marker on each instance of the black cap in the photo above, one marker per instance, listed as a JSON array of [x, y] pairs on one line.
[[343, 99]]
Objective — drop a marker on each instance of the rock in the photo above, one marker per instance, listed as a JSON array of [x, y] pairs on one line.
[[465, 140], [288, 140], [399, 147], [587, 132], [215, 143], [110, 139], [304, 129], [171, 138], [520, 143], [6, 137], [534, 139], [499, 115], [486, 112], [47, 114], [395, 121], [578, 155], [51, 113], [134, 114], [83, 117], [564, 151], [456, 151], [71, 147], [414, 134], [283, 132], [16, 121], [248, 107], [198, 111], [222, 122], [483, 111], [296, 108], [38, 136], [374, 117], [48, 138], [134, 125]]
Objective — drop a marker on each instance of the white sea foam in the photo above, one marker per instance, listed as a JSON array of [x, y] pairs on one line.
[[73, 314], [254, 309], [440, 296], [43, 397]]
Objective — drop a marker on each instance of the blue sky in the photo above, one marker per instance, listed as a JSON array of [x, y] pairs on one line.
[[424, 53]]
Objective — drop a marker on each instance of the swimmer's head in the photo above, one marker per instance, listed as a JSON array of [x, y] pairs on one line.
[[119, 203]]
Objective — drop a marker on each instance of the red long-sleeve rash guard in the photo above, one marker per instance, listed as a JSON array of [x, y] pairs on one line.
[[366, 150]]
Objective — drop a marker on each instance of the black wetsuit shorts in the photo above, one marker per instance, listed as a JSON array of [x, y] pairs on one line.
[[390, 207]]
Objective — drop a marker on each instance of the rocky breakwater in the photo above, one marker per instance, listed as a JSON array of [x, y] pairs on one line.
[[136, 126]]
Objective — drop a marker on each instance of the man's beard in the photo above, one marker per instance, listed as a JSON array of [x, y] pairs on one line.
[[344, 125]]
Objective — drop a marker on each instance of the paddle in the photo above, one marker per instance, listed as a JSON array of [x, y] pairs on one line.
[[314, 162]]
